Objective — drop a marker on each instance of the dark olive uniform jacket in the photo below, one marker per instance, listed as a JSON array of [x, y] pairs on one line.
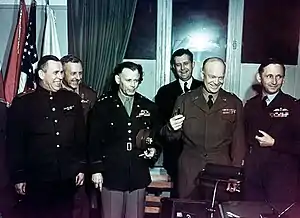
[[88, 98], [112, 134], [213, 135], [165, 100], [46, 136]]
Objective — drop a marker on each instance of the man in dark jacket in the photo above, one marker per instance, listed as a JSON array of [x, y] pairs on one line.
[[72, 81], [182, 65], [210, 124], [117, 158], [272, 134], [46, 144]]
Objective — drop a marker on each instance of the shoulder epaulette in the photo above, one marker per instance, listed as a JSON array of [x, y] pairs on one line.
[[25, 92]]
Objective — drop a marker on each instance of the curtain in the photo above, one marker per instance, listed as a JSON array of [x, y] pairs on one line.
[[98, 33]]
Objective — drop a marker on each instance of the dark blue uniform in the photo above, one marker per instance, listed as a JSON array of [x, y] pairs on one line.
[[271, 173], [46, 144], [112, 141]]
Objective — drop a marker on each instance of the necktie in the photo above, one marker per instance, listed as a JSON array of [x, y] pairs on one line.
[[127, 106], [210, 102], [186, 89], [264, 101]]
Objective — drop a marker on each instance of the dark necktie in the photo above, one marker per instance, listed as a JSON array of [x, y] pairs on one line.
[[210, 102], [264, 101], [186, 89]]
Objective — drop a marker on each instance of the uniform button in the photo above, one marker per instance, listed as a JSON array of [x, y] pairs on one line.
[[205, 155], [57, 146], [51, 98], [147, 127], [129, 131], [138, 105], [53, 109], [111, 124], [118, 105], [57, 133], [46, 118], [129, 124], [129, 139], [55, 121], [145, 123]]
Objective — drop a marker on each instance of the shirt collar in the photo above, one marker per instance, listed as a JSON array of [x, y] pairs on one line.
[[206, 94], [189, 83], [124, 97], [270, 97]]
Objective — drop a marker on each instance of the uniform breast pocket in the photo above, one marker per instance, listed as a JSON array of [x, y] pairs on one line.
[[229, 117]]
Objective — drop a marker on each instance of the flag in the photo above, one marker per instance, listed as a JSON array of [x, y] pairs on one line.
[[50, 43], [30, 56], [12, 77]]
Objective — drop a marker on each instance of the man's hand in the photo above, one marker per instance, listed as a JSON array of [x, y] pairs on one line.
[[266, 140], [176, 122], [79, 179], [97, 179], [21, 188], [149, 153]]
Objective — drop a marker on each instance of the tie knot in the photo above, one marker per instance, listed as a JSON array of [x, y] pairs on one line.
[[210, 97], [265, 98], [186, 89]]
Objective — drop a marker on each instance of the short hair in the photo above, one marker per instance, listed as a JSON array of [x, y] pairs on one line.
[[212, 59], [43, 64], [180, 52], [130, 65], [70, 58], [268, 62]]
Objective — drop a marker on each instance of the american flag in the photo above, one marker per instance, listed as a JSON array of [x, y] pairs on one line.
[[30, 53]]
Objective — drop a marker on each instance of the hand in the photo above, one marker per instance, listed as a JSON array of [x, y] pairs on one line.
[[149, 153], [21, 188], [266, 140], [176, 122], [79, 179], [97, 179]]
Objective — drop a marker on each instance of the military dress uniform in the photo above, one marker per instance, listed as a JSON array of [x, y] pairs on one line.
[[85, 197], [46, 146], [271, 173], [88, 98], [213, 135], [165, 100], [112, 144]]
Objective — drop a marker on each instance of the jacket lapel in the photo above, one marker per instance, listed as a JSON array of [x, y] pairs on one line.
[[199, 100]]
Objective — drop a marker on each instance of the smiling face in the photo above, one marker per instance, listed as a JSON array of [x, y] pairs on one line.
[[52, 76], [183, 67], [213, 75], [73, 74], [271, 78]]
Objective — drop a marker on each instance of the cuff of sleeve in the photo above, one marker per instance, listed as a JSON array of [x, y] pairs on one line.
[[18, 177], [97, 167]]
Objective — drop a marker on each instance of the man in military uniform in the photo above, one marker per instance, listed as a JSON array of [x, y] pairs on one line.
[[46, 144], [209, 122], [117, 158], [182, 65], [73, 82], [272, 135]]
